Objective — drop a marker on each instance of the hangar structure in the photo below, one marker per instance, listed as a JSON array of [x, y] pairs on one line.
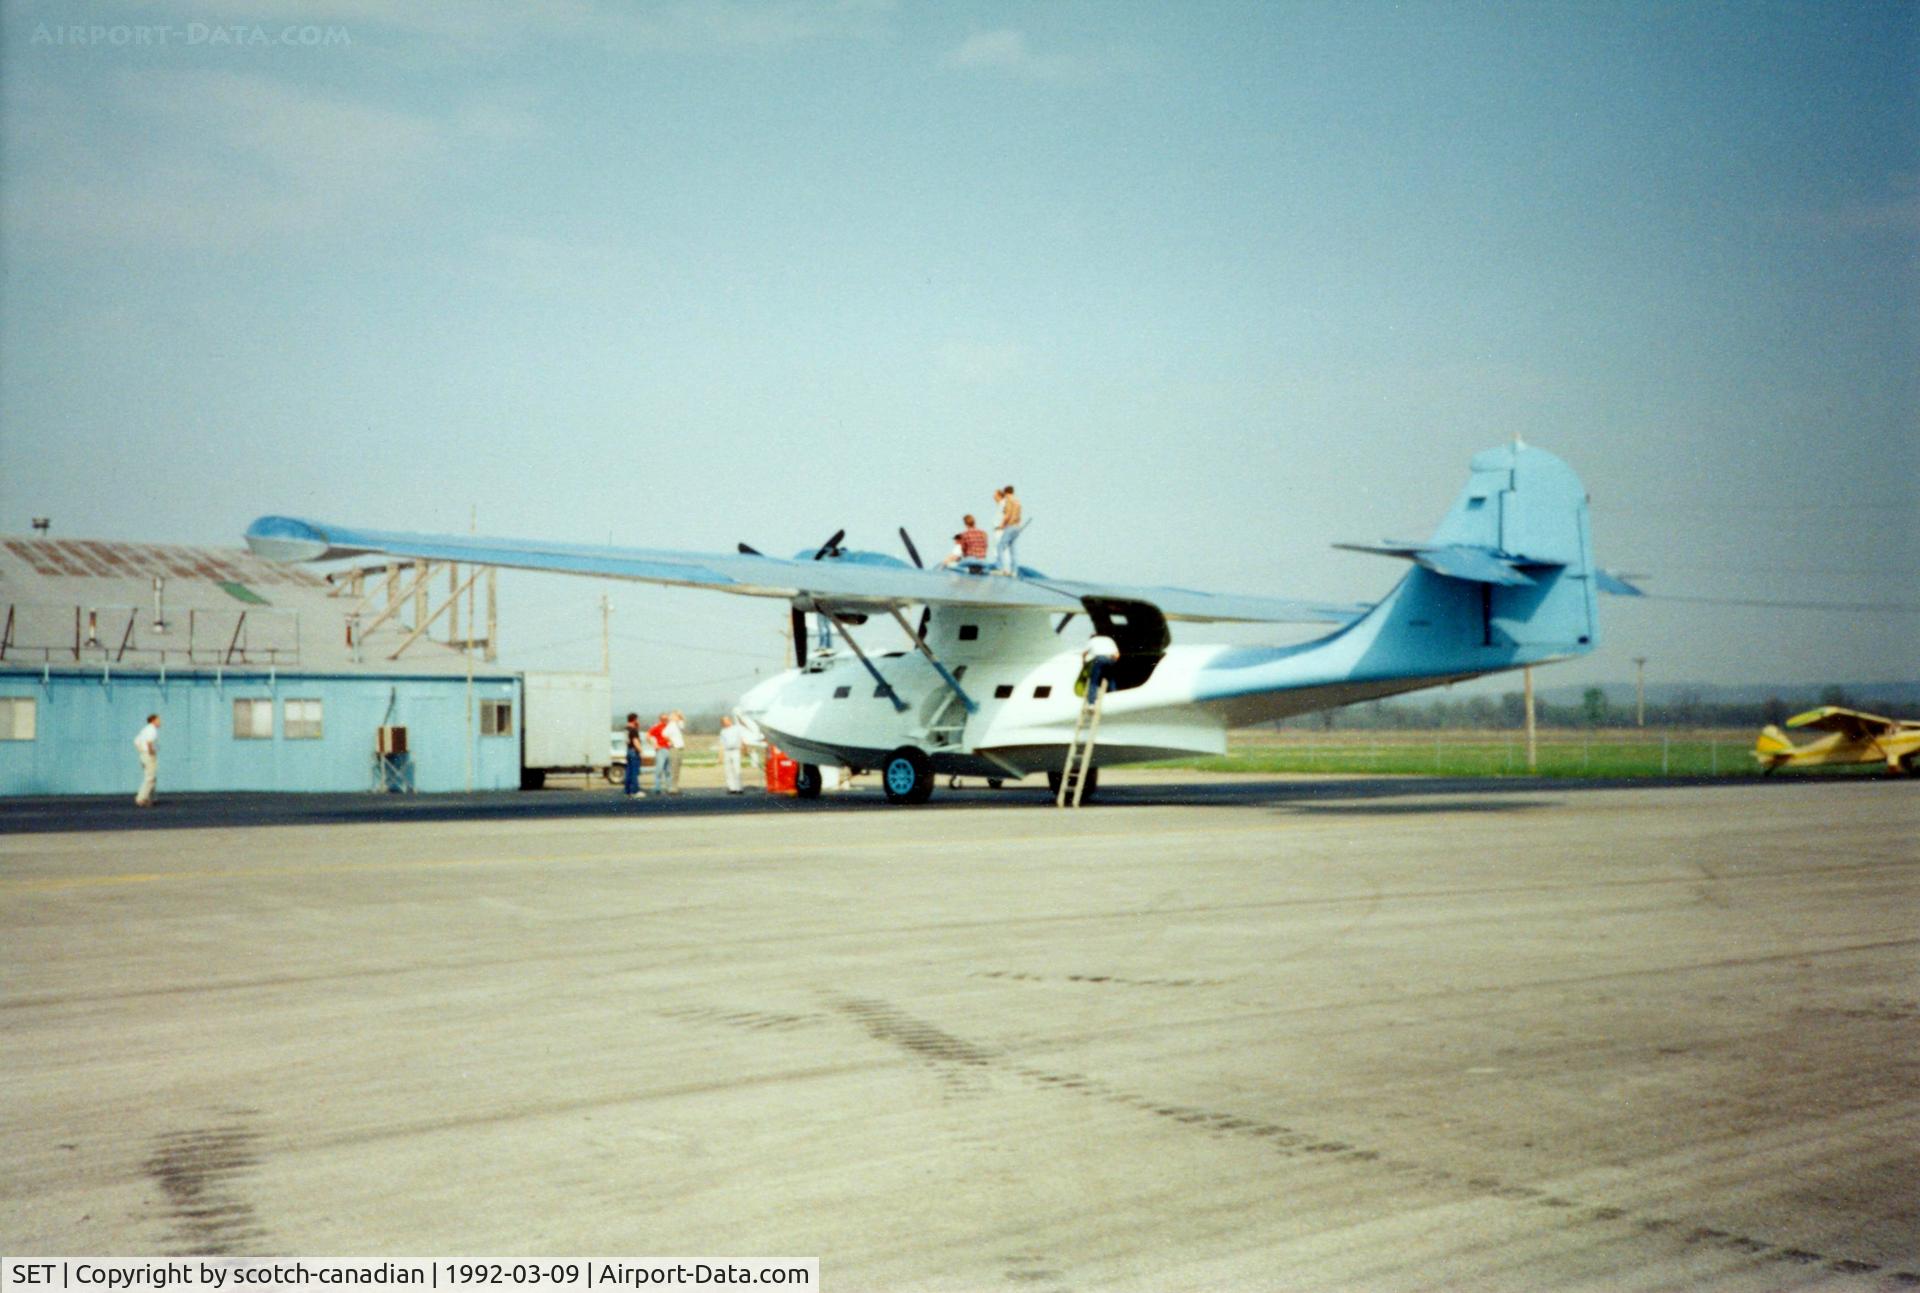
[[266, 677]]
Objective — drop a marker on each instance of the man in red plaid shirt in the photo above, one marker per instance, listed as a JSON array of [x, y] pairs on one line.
[[968, 545]]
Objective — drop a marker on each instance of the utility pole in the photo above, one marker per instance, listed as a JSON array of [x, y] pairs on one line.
[[472, 526], [1533, 762], [1639, 691]]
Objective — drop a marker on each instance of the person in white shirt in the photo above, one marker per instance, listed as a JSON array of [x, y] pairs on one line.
[[1098, 655], [147, 745], [731, 739], [676, 741]]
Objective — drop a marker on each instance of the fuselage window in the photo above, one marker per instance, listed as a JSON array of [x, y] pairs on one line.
[[969, 632], [1003, 691], [841, 693], [1041, 693]]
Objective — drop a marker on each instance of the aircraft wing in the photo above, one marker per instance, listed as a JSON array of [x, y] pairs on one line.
[[1851, 723], [847, 581]]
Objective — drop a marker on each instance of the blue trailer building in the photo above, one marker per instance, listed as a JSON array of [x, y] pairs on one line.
[[265, 677]]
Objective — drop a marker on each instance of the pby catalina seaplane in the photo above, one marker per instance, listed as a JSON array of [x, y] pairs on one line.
[[986, 684]]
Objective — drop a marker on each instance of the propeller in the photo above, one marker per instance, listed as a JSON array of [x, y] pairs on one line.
[[831, 548], [799, 638], [911, 550], [1064, 621], [748, 550]]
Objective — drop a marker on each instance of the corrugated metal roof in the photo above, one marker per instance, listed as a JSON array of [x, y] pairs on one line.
[[69, 603], [83, 558]]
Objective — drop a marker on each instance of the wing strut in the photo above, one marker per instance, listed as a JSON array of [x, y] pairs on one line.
[[920, 642], [899, 706]]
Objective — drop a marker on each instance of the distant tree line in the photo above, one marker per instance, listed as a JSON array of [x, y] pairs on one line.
[[1688, 707]]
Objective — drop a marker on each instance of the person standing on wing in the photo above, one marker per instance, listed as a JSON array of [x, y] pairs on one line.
[[1012, 522]]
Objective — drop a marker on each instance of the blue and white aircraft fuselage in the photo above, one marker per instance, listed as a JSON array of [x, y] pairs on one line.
[[986, 685]]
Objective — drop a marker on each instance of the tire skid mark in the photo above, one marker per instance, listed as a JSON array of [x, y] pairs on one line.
[[197, 1172], [1022, 976], [887, 1023], [751, 1020], [1291, 1142], [959, 1063]]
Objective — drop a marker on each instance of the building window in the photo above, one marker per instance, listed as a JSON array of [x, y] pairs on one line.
[[301, 721], [841, 693], [253, 720], [1041, 693], [1003, 691], [496, 718], [18, 716]]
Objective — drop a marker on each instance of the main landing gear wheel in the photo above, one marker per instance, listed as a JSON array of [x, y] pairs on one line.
[[907, 776], [806, 781], [1086, 796]]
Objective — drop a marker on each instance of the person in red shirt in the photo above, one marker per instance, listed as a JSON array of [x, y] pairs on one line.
[[662, 755], [968, 545]]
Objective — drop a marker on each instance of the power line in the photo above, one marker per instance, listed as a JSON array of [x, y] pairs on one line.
[[1851, 608], [696, 646]]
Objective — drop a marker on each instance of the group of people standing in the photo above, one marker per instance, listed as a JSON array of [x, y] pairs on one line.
[[667, 740], [971, 543]]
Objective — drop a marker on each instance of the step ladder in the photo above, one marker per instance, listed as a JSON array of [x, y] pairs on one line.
[[1086, 730]]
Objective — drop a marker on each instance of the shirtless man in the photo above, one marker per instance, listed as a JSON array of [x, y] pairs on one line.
[[1012, 522]]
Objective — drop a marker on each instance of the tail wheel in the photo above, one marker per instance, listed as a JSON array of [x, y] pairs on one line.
[[806, 781], [907, 776]]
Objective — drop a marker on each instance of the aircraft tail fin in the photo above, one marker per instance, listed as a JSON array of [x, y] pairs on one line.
[[1772, 747], [1507, 579]]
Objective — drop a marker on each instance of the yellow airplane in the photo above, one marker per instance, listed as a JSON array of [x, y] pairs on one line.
[[1853, 737]]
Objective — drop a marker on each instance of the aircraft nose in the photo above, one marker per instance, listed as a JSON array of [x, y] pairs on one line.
[[759, 698]]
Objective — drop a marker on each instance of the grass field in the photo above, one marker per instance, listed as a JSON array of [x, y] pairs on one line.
[[1604, 753]]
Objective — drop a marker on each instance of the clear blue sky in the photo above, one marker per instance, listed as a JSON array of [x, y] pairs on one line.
[[1215, 284]]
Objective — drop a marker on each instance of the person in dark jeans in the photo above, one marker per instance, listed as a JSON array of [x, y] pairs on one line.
[[633, 758]]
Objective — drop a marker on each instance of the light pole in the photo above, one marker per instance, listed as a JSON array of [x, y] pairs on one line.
[[1533, 759]]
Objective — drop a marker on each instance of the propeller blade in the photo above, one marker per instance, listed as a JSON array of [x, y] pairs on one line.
[[911, 550], [748, 550], [831, 545], [926, 618], [799, 638], [1064, 619]]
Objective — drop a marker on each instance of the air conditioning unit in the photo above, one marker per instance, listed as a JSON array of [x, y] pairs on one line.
[[392, 741]]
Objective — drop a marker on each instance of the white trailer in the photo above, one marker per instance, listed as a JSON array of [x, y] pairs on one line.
[[565, 719]]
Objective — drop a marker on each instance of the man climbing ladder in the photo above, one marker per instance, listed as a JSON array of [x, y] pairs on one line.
[[1098, 657]]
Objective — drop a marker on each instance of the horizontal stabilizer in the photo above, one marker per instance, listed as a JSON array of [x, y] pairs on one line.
[[1612, 582], [1456, 560]]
